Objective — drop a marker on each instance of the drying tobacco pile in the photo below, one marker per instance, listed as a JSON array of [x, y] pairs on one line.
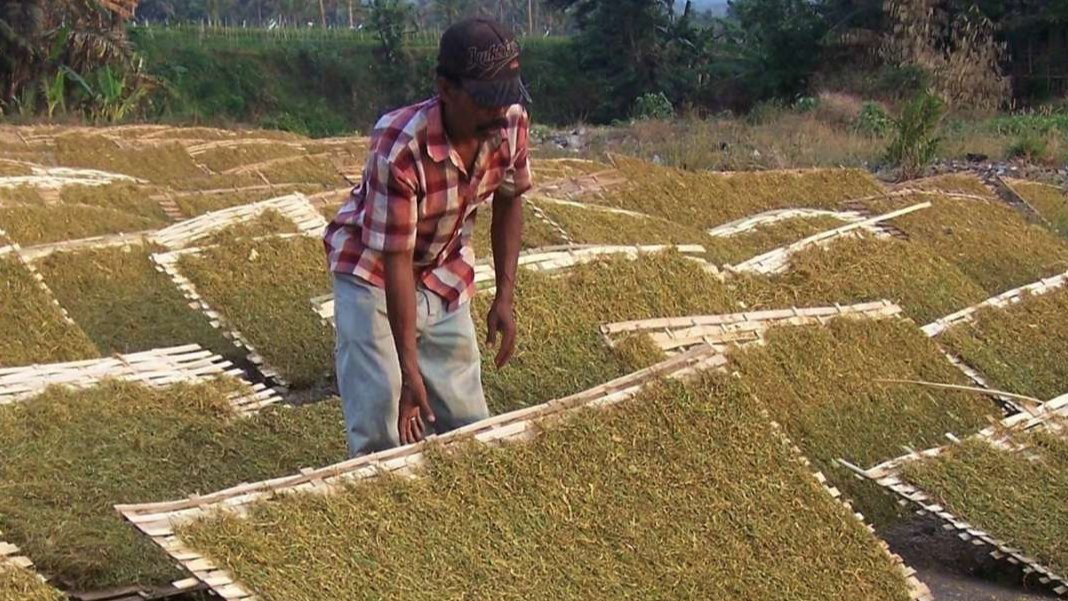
[[18, 584], [681, 493], [40, 224], [593, 226], [1051, 202]]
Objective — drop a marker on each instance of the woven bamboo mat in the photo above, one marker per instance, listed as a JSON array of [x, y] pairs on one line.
[[888, 476], [51, 178], [295, 207], [1005, 299]]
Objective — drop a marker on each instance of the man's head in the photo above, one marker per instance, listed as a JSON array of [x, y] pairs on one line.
[[478, 75]]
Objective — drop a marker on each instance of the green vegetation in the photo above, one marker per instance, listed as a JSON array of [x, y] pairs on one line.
[[32, 328], [1050, 201], [820, 384], [1019, 348], [988, 241], [705, 199], [601, 505], [124, 304], [737, 248], [41, 224], [916, 140], [1013, 495], [18, 584], [69, 456], [263, 288]]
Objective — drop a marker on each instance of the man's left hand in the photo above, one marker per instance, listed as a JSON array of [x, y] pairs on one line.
[[501, 320]]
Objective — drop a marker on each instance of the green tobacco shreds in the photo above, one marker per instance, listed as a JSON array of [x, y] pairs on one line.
[[124, 304], [1050, 202], [853, 270], [221, 158], [682, 493], [40, 224], [199, 204], [536, 233], [121, 196], [963, 183], [69, 456], [157, 163], [264, 289], [738, 248], [819, 384], [266, 223], [1017, 497], [306, 169], [218, 182], [988, 241], [17, 584], [559, 347], [1020, 348], [590, 226], [32, 329], [704, 199]]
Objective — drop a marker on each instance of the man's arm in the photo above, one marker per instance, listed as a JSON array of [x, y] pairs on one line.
[[400, 307], [506, 235]]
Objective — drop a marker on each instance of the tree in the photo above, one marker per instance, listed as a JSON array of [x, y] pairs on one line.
[[783, 41], [390, 20]]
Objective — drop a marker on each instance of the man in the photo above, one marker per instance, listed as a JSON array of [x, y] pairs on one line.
[[400, 248]]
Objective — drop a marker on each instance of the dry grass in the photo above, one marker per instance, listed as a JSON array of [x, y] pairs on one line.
[[1015, 496], [853, 269], [264, 289], [819, 383], [602, 505], [41, 224], [706, 199], [560, 350], [157, 163], [32, 329], [120, 196], [591, 226], [69, 456], [988, 241], [124, 304], [738, 248], [17, 584], [1050, 202], [1019, 348]]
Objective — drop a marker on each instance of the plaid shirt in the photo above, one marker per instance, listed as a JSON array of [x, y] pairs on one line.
[[415, 196]]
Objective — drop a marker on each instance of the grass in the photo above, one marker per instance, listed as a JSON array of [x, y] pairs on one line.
[[121, 196], [158, 163], [124, 304], [819, 383], [1015, 496], [32, 329], [1050, 201], [591, 226], [263, 288], [559, 348], [18, 584], [69, 456], [1019, 348], [601, 505], [852, 270], [198, 204], [764, 238], [988, 241], [706, 199], [42, 224]]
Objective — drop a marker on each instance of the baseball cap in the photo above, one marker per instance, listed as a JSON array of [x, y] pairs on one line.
[[484, 56]]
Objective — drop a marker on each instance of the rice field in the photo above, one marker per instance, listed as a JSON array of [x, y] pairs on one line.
[[601, 505], [68, 456]]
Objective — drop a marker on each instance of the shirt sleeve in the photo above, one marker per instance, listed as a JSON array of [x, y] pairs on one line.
[[519, 179], [391, 212]]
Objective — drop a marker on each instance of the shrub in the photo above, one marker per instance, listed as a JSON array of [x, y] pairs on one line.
[[915, 140], [653, 106], [1030, 147], [873, 120]]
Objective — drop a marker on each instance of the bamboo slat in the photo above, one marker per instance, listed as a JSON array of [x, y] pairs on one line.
[[679, 333], [746, 224], [1002, 300], [157, 367], [40, 251], [777, 261], [888, 476], [12, 248], [587, 206], [59, 177], [295, 207]]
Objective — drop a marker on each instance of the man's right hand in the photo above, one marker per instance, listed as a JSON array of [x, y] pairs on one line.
[[413, 410]]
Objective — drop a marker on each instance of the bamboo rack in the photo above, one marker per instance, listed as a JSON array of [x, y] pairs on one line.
[[1005, 299], [50, 178], [888, 476], [746, 224], [675, 334], [156, 368], [295, 207], [777, 261], [8, 247]]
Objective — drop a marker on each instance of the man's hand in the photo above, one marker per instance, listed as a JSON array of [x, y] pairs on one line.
[[413, 409], [501, 320]]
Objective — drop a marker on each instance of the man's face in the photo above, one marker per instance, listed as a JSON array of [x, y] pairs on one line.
[[468, 115]]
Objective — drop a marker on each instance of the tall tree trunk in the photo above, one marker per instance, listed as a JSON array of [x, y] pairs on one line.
[[351, 23], [322, 14]]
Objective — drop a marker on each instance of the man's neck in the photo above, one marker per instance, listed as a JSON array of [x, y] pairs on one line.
[[456, 137]]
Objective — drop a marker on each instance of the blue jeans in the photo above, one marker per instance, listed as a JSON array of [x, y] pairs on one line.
[[368, 370]]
